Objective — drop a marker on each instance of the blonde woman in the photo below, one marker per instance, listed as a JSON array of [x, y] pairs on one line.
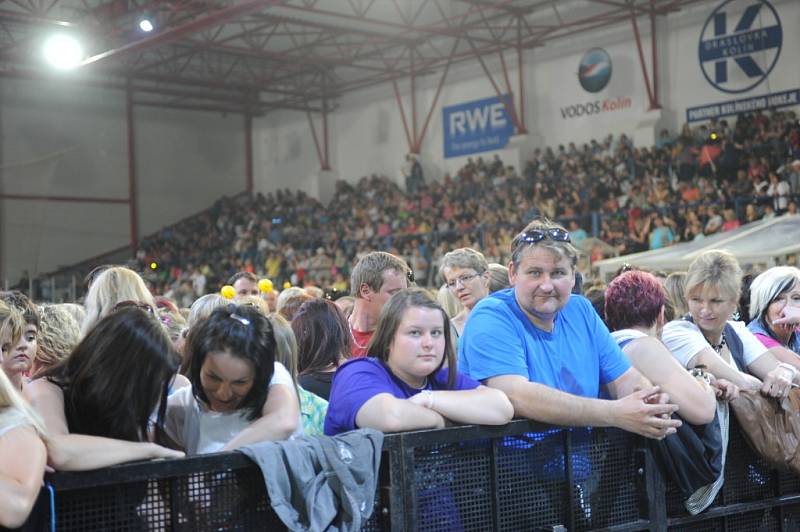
[[59, 333], [114, 285], [22, 452]]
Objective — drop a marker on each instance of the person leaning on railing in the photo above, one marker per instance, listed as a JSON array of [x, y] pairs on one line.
[[549, 351], [97, 403], [22, 453], [634, 308], [403, 384], [712, 289], [239, 392]]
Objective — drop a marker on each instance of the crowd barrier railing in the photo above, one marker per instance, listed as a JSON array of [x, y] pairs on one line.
[[514, 477]]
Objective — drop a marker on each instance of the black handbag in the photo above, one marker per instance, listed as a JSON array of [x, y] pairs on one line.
[[692, 457]]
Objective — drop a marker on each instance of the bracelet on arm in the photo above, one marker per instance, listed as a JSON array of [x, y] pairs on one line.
[[429, 395], [699, 372]]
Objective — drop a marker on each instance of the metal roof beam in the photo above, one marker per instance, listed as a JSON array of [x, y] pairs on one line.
[[169, 35]]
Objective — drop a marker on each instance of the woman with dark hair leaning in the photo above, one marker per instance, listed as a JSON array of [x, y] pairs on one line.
[[239, 393], [775, 311], [409, 381], [97, 403], [323, 344]]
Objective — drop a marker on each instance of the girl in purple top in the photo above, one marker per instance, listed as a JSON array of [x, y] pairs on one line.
[[404, 384]]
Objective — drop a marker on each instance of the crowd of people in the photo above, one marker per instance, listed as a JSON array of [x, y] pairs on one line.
[[705, 180], [146, 369], [135, 376]]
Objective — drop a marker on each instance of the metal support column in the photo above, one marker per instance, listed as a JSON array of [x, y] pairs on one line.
[[248, 152], [132, 194], [650, 98]]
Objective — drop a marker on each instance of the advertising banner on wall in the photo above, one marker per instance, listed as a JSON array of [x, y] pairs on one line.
[[743, 105], [739, 46], [476, 126], [594, 74]]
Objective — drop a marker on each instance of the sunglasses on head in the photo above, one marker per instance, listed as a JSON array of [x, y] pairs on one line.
[[537, 235], [136, 304], [410, 276]]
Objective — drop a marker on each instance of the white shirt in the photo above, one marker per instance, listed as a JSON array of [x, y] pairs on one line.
[[198, 430], [684, 340]]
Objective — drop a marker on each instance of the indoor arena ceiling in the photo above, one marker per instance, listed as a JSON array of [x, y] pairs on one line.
[[255, 56]]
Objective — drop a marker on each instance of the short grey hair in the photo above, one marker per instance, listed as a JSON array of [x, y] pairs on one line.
[[465, 258]]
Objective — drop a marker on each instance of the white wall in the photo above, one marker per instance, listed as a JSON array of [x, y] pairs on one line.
[[62, 140], [367, 135]]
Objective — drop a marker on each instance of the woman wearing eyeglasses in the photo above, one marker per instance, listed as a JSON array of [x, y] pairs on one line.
[[466, 274]]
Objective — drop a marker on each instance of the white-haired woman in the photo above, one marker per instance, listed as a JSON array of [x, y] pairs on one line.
[[775, 311]]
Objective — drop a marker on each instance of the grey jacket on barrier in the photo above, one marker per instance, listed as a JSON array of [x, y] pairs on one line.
[[321, 483]]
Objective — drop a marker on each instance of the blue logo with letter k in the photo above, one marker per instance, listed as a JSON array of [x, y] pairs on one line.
[[739, 60]]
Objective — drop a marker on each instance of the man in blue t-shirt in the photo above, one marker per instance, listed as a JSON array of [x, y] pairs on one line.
[[550, 352]]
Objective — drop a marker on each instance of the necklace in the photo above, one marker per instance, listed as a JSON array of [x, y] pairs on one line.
[[353, 336], [424, 385], [717, 347]]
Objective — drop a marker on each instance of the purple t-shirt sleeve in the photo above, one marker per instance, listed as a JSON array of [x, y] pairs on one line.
[[355, 383]]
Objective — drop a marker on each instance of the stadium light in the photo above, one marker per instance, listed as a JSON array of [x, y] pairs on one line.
[[63, 52], [146, 25]]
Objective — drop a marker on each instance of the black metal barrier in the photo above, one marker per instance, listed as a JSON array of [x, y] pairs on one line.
[[513, 477]]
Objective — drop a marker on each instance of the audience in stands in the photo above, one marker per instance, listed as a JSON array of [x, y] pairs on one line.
[[288, 236], [410, 380]]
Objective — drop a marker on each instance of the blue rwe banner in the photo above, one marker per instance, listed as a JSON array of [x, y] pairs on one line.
[[477, 126], [745, 105]]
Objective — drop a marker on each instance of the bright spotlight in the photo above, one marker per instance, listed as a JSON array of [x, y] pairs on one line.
[[63, 52], [146, 26]]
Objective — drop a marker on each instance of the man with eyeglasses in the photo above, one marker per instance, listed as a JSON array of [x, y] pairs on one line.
[[549, 351], [374, 279]]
